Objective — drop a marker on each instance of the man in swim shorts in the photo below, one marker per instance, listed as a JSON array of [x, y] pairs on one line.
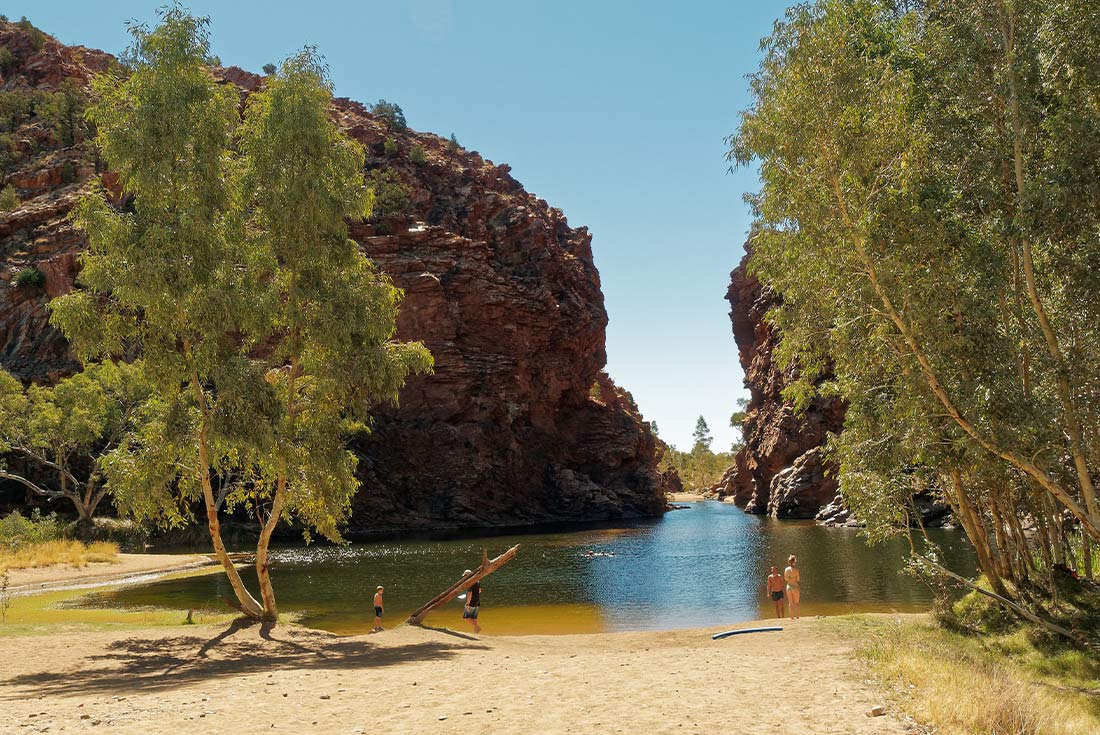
[[793, 578], [379, 608], [473, 604], [775, 591]]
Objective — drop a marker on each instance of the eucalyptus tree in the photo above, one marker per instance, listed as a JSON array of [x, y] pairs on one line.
[[165, 276], [328, 313], [65, 433], [927, 212], [266, 335]]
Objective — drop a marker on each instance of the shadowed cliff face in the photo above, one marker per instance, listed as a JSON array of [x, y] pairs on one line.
[[780, 470], [498, 286]]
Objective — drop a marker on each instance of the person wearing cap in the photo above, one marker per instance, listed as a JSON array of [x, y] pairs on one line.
[[473, 603], [379, 608]]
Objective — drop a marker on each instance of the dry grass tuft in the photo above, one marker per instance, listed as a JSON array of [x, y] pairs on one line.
[[47, 553], [960, 686]]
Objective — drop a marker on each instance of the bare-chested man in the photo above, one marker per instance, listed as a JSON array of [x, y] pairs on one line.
[[775, 591], [793, 578]]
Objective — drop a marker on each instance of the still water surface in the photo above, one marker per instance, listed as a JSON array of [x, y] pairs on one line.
[[698, 567]]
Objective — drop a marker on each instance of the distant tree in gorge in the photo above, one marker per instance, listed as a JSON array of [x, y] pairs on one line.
[[701, 436], [228, 248], [738, 416], [653, 427], [269, 69]]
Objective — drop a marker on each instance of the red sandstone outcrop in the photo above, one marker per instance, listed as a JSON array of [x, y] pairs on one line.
[[518, 425], [780, 470]]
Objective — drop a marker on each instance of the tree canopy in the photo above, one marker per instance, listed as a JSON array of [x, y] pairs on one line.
[[265, 334], [929, 210]]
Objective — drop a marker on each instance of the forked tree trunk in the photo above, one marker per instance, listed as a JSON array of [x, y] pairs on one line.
[[247, 603], [263, 572]]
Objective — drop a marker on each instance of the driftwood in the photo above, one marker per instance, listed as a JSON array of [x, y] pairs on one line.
[[488, 566]]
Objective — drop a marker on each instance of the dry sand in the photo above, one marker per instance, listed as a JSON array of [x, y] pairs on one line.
[[250, 679], [58, 576], [686, 497]]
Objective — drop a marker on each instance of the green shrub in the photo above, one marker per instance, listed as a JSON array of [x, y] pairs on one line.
[[5, 58], [9, 200], [979, 613], [417, 155], [453, 143], [63, 112], [391, 194], [16, 107], [269, 69], [68, 173], [17, 532], [38, 38], [390, 146], [30, 278], [391, 112]]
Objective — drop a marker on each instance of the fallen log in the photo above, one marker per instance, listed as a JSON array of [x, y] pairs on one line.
[[488, 566], [1022, 612]]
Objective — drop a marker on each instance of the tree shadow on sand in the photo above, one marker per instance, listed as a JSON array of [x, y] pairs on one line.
[[150, 664]]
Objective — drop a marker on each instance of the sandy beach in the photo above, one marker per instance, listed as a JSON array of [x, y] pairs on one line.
[[59, 576], [686, 497], [241, 678]]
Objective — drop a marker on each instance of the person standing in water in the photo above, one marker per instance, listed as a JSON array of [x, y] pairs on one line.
[[379, 608], [775, 591], [473, 604], [793, 578]]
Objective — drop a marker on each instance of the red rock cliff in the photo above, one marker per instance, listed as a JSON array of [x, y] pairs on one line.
[[518, 425], [780, 470]]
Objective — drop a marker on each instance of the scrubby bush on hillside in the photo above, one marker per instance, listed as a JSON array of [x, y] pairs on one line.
[[390, 146], [16, 107], [63, 111], [417, 155], [30, 278], [38, 38], [391, 112], [9, 200], [391, 194]]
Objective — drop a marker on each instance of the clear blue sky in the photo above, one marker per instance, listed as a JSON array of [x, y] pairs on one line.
[[612, 110]]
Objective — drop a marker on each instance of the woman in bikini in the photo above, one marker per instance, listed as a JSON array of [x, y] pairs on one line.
[[793, 578], [775, 591]]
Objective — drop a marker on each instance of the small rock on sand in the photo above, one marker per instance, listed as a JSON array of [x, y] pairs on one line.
[[877, 711]]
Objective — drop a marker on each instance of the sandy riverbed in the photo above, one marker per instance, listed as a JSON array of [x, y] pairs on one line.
[[234, 678], [22, 581]]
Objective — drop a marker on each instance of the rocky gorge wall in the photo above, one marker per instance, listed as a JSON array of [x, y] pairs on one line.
[[518, 425], [780, 470]]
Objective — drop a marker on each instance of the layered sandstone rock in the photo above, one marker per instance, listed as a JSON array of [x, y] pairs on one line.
[[780, 470], [518, 424]]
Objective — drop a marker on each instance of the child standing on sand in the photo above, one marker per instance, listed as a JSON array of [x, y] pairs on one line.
[[379, 608], [775, 591], [793, 578]]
